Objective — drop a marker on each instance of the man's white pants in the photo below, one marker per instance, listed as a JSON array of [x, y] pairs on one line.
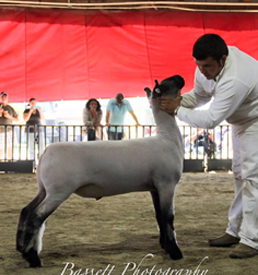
[[243, 214]]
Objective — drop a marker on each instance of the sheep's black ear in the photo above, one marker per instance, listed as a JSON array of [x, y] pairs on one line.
[[156, 90], [148, 91], [157, 87]]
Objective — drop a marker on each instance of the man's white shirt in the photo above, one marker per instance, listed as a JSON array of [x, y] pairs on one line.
[[234, 92]]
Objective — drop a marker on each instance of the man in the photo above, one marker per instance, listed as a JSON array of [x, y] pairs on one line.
[[7, 116], [230, 77], [115, 115]]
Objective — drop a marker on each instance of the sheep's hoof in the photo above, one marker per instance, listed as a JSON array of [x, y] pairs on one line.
[[174, 253], [32, 257]]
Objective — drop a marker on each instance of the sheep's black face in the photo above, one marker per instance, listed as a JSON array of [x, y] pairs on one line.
[[167, 87]]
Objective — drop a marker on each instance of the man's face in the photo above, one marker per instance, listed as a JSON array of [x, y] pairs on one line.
[[210, 67], [4, 99], [119, 101]]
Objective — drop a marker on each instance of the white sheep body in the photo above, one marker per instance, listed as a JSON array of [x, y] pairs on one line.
[[104, 168]]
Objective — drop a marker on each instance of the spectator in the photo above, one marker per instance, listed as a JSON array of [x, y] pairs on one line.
[[116, 111], [34, 117], [204, 139], [92, 115], [7, 116]]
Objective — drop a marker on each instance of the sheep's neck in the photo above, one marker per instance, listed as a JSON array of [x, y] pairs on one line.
[[166, 123]]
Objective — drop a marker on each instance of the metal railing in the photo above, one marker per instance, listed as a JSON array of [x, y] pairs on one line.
[[21, 142], [214, 144]]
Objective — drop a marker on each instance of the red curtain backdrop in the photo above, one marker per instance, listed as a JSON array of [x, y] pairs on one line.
[[61, 54]]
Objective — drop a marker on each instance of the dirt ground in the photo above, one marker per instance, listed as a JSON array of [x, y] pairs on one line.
[[118, 235]]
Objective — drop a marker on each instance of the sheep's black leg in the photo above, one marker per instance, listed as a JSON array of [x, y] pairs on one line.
[[167, 215], [19, 235], [34, 227], [23, 216], [156, 203], [171, 246], [30, 242]]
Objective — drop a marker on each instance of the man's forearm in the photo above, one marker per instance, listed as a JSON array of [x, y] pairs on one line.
[[134, 117], [107, 117], [192, 100]]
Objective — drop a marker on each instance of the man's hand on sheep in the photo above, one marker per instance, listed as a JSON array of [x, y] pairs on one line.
[[167, 104]]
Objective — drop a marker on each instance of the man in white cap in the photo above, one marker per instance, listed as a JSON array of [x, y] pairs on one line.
[[7, 116]]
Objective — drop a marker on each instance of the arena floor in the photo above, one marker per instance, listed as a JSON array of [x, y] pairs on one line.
[[119, 236]]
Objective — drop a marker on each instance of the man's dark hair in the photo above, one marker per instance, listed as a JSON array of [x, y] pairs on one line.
[[119, 98], [210, 45]]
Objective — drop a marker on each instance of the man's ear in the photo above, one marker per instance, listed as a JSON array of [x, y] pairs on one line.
[[223, 60]]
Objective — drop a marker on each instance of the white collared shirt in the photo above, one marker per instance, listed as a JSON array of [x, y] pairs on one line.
[[234, 93]]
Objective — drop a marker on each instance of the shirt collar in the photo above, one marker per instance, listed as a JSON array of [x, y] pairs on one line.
[[217, 78]]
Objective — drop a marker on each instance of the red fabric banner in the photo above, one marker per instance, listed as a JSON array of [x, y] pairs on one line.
[[62, 54]]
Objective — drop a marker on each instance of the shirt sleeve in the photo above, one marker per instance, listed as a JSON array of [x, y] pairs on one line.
[[14, 113], [227, 99], [196, 97], [86, 118], [128, 106], [109, 105], [194, 100], [100, 113]]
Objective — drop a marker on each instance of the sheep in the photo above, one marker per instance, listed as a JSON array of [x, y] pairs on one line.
[[106, 168]]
